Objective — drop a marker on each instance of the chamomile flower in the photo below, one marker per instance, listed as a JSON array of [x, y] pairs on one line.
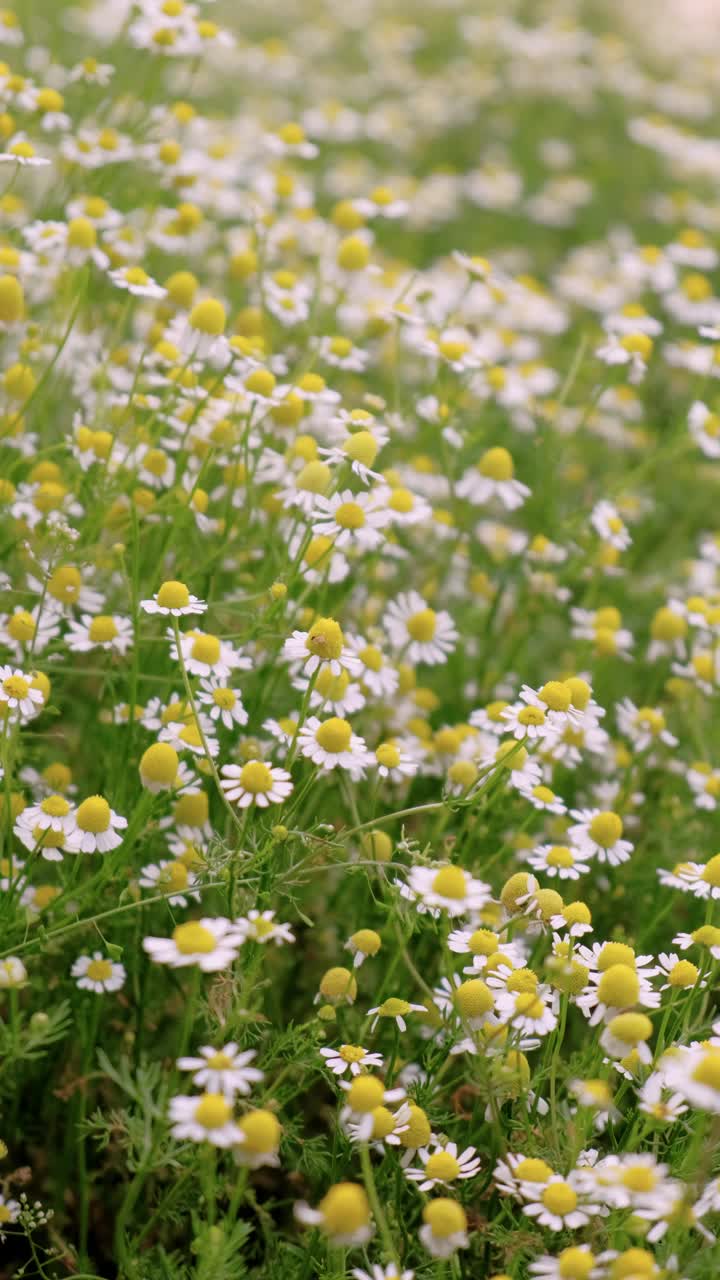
[[205, 1117], [110, 632], [172, 599], [598, 833], [395, 1008], [222, 702], [350, 1057], [343, 1215], [255, 783], [364, 1094], [557, 860], [97, 973], [322, 646], [419, 633], [19, 697], [331, 744], [137, 282], [446, 888], [172, 877], [444, 1228], [562, 1204], [95, 827], [261, 926], [351, 520], [226, 1071], [493, 476], [443, 1165], [210, 943]]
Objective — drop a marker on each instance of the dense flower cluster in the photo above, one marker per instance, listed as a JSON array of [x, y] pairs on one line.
[[359, 620]]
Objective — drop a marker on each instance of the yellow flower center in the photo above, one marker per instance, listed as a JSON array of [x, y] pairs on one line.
[[387, 755], [350, 515], [444, 1217], [496, 464], [102, 629], [532, 1170], [224, 698], [351, 1052], [334, 735], [219, 1062], [606, 829], [256, 777], [345, 1209], [450, 882], [173, 595], [711, 872], [443, 1166], [559, 1198], [213, 1111], [206, 649], [421, 626], [325, 639], [619, 986], [261, 1132], [99, 970], [21, 626], [94, 814], [531, 716], [173, 876], [193, 939], [55, 806], [708, 1069], [473, 998], [365, 1093], [394, 1007], [575, 1264]]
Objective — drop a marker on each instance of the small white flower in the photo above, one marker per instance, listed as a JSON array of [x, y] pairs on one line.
[[443, 1165], [255, 783], [210, 943], [261, 926], [350, 1057], [225, 1070], [97, 973], [204, 1118]]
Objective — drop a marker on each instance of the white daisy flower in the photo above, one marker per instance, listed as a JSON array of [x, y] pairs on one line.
[[97, 973], [222, 702], [559, 860], [206, 655], [261, 926], [210, 943], [343, 1215], [172, 877], [227, 1070], [418, 632], [331, 744], [448, 888], [396, 1009], [323, 645], [561, 1204], [255, 783], [174, 600], [443, 1165], [351, 520], [350, 1057], [493, 476], [17, 695], [598, 833], [137, 282], [95, 827], [444, 1228], [207, 1117], [103, 631]]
